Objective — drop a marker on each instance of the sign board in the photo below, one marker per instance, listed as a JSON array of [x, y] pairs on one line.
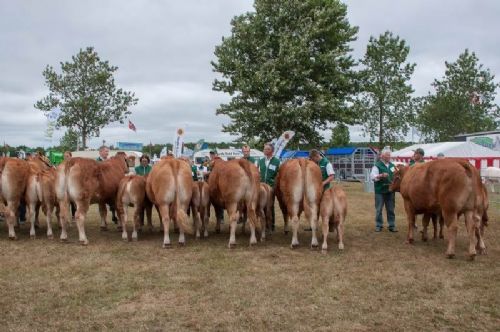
[[129, 146], [489, 141]]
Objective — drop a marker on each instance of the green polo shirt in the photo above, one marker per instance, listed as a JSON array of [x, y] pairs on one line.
[[268, 174], [413, 162], [382, 185], [194, 172], [143, 170]]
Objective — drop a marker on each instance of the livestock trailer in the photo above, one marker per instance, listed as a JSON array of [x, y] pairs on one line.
[[350, 163]]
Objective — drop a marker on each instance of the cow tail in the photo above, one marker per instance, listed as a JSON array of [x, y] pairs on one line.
[[255, 189], [467, 167], [181, 215]]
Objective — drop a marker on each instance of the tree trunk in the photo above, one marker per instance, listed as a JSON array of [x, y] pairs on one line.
[[381, 129], [84, 139]]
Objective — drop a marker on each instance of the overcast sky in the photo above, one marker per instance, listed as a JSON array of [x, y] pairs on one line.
[[163, 50]]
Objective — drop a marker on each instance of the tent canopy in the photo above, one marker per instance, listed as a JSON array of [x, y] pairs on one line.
[[340, 151], [449, 149]]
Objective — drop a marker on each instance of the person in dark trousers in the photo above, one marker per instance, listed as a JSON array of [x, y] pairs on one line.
[[219, 212], [381, 174], [268, 167], [103, 156], [68, 155]]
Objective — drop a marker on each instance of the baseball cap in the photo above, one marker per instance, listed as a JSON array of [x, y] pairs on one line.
[[420, 151]]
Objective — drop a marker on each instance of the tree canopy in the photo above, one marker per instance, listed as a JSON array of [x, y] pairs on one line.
[[385, 103], [287, 66], [86, 95], [463, 101]]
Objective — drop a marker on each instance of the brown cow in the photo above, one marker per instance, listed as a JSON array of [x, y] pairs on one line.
[[132, 192], [298, 188], [448, 186], [40, 190], [170, 186], [231, 183], [200, 204], [86, 181], [13, 179], [333, 211], [263, 210]]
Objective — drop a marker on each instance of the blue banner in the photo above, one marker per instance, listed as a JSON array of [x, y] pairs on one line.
[[129, 146]]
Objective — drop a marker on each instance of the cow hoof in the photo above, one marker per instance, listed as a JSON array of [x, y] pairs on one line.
[[472, 257], [409, 241], [286, 232], [119, 228], [314, 246], [441, 237], [450, 256], [32, 237], [104, 228], [424, 239], [182, 244], [294, 245], [50, 237], [217, 231], [13, 238], [167, 246], [84, 242], [64, 240], [232, 245], [324, 251], [341, 246], [134, 239]]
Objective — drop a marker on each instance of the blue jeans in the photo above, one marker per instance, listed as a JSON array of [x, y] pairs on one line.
[[389, 201]]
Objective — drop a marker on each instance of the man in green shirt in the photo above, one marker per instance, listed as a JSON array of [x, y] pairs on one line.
[[268, 168], [144, 168], [418, 157], [381, 174], [103, 153], [326, 167], [246, 155], [103, 156]]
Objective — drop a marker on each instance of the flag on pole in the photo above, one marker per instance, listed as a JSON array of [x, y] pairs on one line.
[[280, 144], [131, 126], [178, 142]]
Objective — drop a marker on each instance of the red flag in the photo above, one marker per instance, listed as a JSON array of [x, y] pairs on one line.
[[131, 126]]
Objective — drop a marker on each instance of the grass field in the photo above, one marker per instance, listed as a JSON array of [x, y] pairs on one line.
[[376, 283]]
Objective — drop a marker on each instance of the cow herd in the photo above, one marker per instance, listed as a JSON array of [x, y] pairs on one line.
[[442, 189]]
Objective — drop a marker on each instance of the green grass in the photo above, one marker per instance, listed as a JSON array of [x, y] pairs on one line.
[[376, 283]]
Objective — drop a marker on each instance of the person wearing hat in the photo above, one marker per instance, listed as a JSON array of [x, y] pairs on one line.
[[418, 156], [440, 155], [326, 167], [381, 175]]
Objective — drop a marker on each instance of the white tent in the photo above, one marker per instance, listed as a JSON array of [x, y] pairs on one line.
[[477, 155]]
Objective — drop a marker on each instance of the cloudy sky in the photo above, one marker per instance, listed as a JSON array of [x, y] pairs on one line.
[[163, 50]]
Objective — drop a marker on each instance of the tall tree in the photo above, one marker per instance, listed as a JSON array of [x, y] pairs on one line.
[[86, 95], [385, 103], [463, 101], [340, 135], [286, 66]]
